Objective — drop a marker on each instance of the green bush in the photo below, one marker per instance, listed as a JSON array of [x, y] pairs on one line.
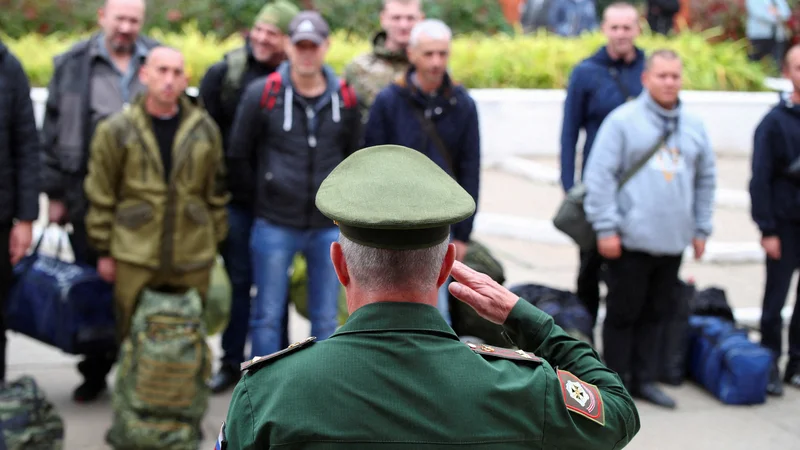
[[537, 61], [224, 18]]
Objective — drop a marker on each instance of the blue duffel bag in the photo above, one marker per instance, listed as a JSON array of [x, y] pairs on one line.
[[66, 305], [726, 363]]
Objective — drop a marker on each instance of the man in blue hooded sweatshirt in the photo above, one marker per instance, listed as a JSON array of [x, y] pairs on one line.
[[775, 200], [597, 86], [644, 228]]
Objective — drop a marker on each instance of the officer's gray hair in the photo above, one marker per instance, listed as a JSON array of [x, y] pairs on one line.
[[380, 270], [433, 28]]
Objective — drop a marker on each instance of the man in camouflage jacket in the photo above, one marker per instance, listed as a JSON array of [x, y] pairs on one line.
[[156, 191], [371, 72]]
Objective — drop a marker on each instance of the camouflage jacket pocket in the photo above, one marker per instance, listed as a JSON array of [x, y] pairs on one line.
[[135, 216]]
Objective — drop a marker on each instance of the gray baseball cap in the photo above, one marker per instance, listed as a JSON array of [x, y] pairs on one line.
[[308, 26]]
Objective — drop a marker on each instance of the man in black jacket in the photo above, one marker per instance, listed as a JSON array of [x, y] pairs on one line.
[[661, 14], [92, 80], [298, 124], [221, 91], [775, 200], [19, 178]]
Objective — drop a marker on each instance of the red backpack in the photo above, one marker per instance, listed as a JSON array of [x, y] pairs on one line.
[[273, 87]]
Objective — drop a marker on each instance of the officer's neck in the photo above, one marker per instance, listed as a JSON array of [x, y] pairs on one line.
[[357, 297]]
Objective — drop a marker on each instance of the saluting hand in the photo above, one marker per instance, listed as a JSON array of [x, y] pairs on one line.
[[490, 300]]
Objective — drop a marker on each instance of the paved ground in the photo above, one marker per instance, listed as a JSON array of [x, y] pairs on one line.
[[701, 422]]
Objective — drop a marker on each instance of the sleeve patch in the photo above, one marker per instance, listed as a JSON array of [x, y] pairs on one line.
[[260, 360], [581, 397], [222, 442]]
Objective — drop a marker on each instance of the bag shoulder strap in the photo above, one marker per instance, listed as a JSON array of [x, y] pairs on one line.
[[348, 94], [641, 162], [614, 72], [237, 64], [430, 129], [271, 90]]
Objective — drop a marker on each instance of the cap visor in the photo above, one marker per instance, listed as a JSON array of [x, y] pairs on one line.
[[311, 37]]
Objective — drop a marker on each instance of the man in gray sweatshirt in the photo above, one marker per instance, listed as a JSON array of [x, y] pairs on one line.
[[644, 228]]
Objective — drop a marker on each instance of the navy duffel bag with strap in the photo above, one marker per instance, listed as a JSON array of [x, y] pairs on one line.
[[63, 304]]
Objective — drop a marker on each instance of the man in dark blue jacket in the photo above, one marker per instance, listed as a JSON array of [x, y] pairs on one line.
[[297, 124], [597, 86], [425, 110], [775, 200]]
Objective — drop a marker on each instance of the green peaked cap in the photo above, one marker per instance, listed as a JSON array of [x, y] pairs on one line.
[[393, 197], [278, 13]]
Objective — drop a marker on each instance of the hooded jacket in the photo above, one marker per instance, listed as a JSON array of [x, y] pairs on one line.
[[295, 145], [591, 95], [670, 200], [775, 183], [19, 144]]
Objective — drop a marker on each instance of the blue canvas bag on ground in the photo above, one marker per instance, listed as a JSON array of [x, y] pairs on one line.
[[726, 363], [66, 305]]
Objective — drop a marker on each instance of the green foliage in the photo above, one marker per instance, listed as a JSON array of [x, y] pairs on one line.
[[224, 18], [534, 61]]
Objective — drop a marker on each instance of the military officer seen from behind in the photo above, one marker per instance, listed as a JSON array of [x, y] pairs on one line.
[[395, 376]]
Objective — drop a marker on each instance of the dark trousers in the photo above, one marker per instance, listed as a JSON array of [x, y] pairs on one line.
[[94, 367], [761, 48], [236, 253], [6, 278], [641, 297], [660, 23], [779, 277], [588, 285]]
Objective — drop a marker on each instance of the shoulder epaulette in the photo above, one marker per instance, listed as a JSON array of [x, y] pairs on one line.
[[258, 361], [504, 353]]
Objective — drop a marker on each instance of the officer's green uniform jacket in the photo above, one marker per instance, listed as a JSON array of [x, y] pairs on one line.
[[137, 216], [395, 376]]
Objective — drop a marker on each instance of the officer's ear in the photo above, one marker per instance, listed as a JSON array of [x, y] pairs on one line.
[[447, 265], [339, 264]]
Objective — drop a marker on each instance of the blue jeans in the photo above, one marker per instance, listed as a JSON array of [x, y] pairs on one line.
[[236, 253], [272, 249]]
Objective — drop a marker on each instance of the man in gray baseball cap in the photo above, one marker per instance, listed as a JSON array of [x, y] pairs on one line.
[[308, 26], [297, 124]]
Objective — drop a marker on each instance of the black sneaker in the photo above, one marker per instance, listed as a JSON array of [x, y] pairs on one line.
[[225, 379], [774, 386], [89, 391], [792, 379], [654, 395]]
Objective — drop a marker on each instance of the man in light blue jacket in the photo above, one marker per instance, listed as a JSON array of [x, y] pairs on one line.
[[766, 28], [644, 228]]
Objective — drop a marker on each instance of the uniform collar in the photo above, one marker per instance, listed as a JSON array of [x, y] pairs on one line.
[[397, 316]]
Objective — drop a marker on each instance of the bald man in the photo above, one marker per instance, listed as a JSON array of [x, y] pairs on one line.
[[92, 80], [155, 189]]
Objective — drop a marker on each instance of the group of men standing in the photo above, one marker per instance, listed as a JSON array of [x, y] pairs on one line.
[[650, 178], [156, 183]]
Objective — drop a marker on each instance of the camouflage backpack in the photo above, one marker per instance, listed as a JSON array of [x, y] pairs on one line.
[[27, 420], [161, 395], [237, 65]]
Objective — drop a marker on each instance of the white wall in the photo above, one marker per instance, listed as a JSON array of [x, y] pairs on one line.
[[522, 122]]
